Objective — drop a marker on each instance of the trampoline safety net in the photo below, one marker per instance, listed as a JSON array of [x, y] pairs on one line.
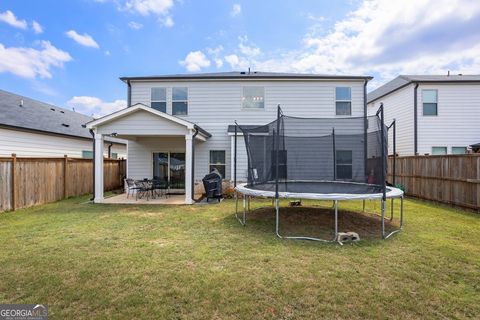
[[292, 149]]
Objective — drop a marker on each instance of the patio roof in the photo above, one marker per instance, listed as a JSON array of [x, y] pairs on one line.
[[139, 106]]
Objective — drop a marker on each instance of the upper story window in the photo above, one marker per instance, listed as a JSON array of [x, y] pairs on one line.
[[180, 101], [158, 99], [343, 101], [430, 104], [253, 98]]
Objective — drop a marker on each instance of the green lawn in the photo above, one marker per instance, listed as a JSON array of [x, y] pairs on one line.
[[197, 262]]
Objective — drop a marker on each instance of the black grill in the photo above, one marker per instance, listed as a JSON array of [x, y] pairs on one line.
[[212, 183]]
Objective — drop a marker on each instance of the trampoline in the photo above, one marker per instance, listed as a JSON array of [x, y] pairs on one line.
[[334, 159]]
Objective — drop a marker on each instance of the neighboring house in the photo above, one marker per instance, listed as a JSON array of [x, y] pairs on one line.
[[180, 127], [434, 114], [30, 128]]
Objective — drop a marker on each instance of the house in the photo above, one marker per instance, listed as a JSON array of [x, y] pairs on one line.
[[435, 114], [31, 128], [180, 127]]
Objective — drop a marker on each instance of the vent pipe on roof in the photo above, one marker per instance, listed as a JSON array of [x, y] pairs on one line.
[[448, 73], [21, 103], [248, 70]]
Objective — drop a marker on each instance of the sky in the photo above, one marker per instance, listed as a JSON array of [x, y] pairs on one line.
[[72, 53]]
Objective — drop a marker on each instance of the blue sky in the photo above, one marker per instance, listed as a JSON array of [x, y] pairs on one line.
[[71, 53]]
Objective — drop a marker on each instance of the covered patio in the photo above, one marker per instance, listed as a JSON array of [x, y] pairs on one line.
[[159, 146]]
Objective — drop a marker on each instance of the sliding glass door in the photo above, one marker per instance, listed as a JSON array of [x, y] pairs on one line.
[[170, 167]]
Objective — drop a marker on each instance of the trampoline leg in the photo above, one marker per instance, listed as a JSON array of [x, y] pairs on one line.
[[363, 205], [242, 221], [336, 221], [401, 221], [391, 209], [249, 198], [277, 218], [383, 218], [244, 209]]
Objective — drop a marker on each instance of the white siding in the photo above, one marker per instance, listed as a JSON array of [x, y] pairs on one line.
[[142, 123], [398, 105], [29, 144], [213, 105], [140, 162], [458, 120]]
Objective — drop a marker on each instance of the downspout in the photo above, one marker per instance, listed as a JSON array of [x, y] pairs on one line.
[[365, 129], [110, 150], [415, 120], [93, 162], [193, 164], [129, 94]]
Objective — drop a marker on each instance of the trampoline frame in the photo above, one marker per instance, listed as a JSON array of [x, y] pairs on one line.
[[395, 192]]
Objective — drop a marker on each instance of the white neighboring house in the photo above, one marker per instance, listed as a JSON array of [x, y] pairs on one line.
[[435, 114], [180, 127], [31, 128]]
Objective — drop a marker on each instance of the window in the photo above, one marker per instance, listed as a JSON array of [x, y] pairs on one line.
[[180, 101], [344, 164], [429, 98], [87, 154], [217, 161], [459, 150], [439, 150], [343, 101], [158, 99], [253, 98]]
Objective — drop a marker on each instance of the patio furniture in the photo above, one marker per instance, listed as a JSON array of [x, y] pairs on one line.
[[144, 189], [212, 183], [160, 187], [131, 187]]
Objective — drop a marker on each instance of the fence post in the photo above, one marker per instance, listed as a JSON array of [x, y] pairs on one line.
[[14, 194], [65, 172]]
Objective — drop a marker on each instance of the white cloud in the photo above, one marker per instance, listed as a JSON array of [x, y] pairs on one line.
[[37, 28], [146, 7], [236, 10], [135, 25], [84, 40], [195, 61], [94, 106], [9, 18], [215, 53], [246, 49], [384, 37], [167, 21], [30, 62]]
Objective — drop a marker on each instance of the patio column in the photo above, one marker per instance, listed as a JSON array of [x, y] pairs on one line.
[[188, 168], [98, 158]]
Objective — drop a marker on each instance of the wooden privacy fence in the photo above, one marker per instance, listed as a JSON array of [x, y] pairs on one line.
[[25, 182], [452, 179]]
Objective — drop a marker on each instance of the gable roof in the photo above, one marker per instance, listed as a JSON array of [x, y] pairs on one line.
[[39, 116], [404, 80], [237, 75], [140, 106]]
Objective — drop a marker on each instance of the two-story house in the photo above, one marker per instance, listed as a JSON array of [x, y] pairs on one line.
[[180, 127], [435, 114]]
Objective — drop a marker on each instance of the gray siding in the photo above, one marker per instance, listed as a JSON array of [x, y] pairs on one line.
[[214, 105]]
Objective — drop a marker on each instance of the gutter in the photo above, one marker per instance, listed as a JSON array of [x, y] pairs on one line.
[[193, 163], [93, 162], [415, 119]]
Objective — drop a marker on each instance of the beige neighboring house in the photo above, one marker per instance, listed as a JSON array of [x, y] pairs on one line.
[[31, 128]]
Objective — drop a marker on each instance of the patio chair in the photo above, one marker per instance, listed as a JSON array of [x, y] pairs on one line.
[[144, 189], [160, 187], [131, 187]]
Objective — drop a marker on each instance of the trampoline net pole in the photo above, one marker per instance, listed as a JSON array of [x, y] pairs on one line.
[[384, 158], [277, 144], [334, 156], [235, 157]]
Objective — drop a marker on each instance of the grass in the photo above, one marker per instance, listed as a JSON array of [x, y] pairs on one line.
[[197, 262]]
